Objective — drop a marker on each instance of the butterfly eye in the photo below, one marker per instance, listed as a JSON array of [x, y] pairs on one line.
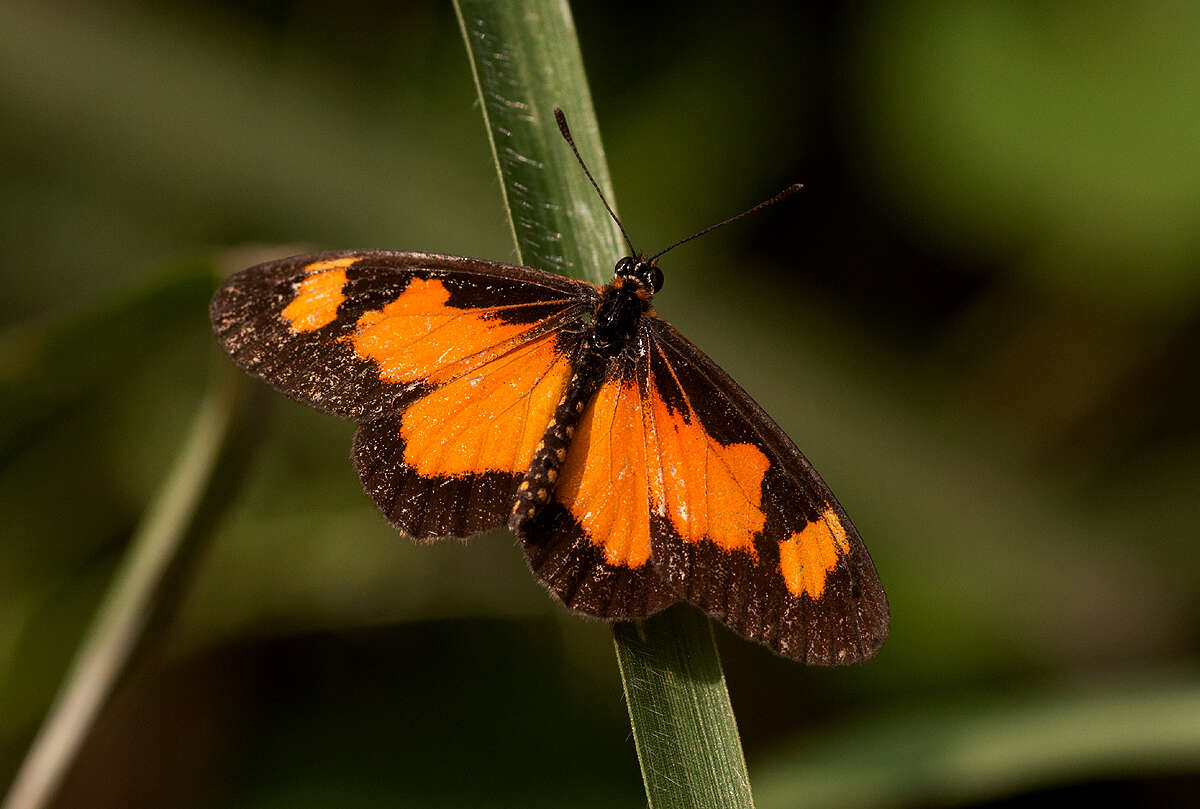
[[656, 278]]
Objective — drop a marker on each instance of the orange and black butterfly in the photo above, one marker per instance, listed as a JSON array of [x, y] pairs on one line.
[[635, 471]]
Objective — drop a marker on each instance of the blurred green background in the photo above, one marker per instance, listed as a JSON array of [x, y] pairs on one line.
[[980, 321]]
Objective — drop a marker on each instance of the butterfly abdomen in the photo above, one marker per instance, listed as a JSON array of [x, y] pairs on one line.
[[613, 326], [537, 486]]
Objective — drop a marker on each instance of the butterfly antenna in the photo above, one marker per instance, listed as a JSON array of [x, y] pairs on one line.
[[566, 133], [782, 195]]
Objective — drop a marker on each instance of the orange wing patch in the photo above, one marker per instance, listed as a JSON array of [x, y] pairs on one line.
[[418, 337], [706, 489], [603, 481], [809, 555], [496, 385], [624, 466], [488, 419], [320, 294]]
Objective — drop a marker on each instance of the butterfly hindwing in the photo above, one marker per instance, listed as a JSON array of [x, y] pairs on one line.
[[591, 545], [748, 531], [450, 365]]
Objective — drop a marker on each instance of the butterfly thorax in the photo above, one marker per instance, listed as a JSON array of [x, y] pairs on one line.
[[621, 306], [613, 326]]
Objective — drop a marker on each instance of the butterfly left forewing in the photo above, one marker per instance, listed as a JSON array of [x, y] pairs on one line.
[[321, 328], [748, 531]]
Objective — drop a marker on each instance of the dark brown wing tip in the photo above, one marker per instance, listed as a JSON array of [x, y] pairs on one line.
[[248, 292]]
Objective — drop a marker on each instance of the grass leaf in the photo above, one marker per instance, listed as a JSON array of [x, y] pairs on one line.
[[526, 61], [147, 583]]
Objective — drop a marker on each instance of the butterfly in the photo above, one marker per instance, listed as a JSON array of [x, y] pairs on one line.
[[634, 471]]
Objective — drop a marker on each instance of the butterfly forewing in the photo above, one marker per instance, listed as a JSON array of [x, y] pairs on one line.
[[749, 531]]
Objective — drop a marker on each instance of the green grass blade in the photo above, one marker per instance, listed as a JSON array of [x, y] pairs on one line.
[[147, 579], [683, 723], [526, 61]]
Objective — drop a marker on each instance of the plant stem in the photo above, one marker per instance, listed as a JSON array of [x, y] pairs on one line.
[[147, 577], [526, 61]]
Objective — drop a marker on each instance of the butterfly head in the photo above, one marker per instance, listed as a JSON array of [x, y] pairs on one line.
[[642, 276]]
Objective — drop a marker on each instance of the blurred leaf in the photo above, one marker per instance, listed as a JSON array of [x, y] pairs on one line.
[[69, 385], [91, 403], [130, 131], [1059, 136], [206, 472], [52, 368], [966, 752]]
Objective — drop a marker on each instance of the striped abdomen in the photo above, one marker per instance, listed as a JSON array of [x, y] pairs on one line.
[[537, 486]]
